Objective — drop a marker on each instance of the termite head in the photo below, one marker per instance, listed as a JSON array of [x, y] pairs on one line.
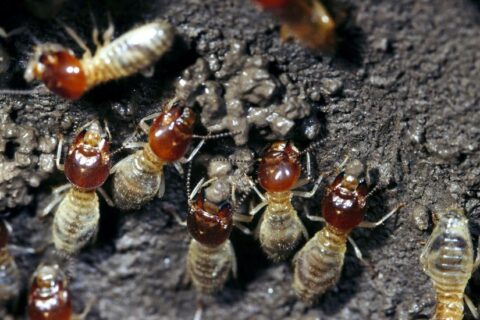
[[171, 133], [48, 296], [87, 164], [279, 167], [272, 4], [343, 206], [59, 69], [208, 223]]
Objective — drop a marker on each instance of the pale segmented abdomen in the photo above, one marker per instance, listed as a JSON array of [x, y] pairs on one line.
[[75, 221], [137, 179], [9, 276], [317, 266], [209, 268], [280, 231], [132, 52], [448, 260]]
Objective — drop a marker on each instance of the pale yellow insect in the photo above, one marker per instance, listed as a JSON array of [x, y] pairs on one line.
[[448, 260]]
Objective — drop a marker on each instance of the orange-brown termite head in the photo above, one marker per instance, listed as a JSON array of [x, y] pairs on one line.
[[279, 167], [87, 164], [48, 297], [171, 133], [343, 206], [208, 223], [59, 69]]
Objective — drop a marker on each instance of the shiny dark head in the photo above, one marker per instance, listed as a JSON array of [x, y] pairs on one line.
[[59, 69], [343, 206], [279, 167], [87, 164], [48, 297], [208, 223], [171, 133]]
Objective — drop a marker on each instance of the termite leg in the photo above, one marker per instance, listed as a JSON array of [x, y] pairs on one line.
[[57, 198], [194, 152], [311, 193], [179, 168], [198, 313], [177, 218], [143, 122], [148, 72], [371, 224], [77, 39], [242, 228], [201, 184], [95, 32], [358, 253], [161, 188], [15, 249], [58, 163], [234, 262], [471, 306], [133, 145], [257, 208], [105, 196], [61, 189], [108, 34]]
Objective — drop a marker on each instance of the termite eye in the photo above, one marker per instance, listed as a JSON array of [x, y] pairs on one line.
[[343, 208], [272, 4], [279, 167], [3, 235], [209, 224], [62, 73], [171, 133], [48, 297], [87, 164]]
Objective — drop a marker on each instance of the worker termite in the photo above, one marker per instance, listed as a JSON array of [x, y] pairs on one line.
[[317, 266], [9, 275], [280, 229], [448, 260], [49, 297], [139, 177], [69, 77], [306, 20], [86, 166]]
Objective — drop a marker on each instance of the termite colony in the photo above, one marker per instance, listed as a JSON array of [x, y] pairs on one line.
[[218, 205]]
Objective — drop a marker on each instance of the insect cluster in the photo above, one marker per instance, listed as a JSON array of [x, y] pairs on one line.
[[215, 206]]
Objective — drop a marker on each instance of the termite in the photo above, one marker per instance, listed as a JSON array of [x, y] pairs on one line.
[[448, 260], [309, 21], [9, 274], [318, 265], [280, 230], [69, 77], [49, 297], [139, 177], [211, 257], [87, 167]]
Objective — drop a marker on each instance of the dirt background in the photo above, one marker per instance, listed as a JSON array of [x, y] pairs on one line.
[[408, 107]]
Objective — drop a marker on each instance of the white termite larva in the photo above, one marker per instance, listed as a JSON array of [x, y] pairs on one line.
[[448, 260]]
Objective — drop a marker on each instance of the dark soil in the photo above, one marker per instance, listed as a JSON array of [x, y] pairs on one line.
[[408, 107]]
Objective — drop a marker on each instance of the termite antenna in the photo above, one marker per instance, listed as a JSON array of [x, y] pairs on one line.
[[210, 136], [16, 92], [189, 175], [240, 201], [311, 148]]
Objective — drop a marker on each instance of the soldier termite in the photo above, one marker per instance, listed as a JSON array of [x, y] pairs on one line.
[[317, 266], [86, 166], [139, 177], [306, 20], [448, 260], [49, 297], [280, 229], [69, 77]]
